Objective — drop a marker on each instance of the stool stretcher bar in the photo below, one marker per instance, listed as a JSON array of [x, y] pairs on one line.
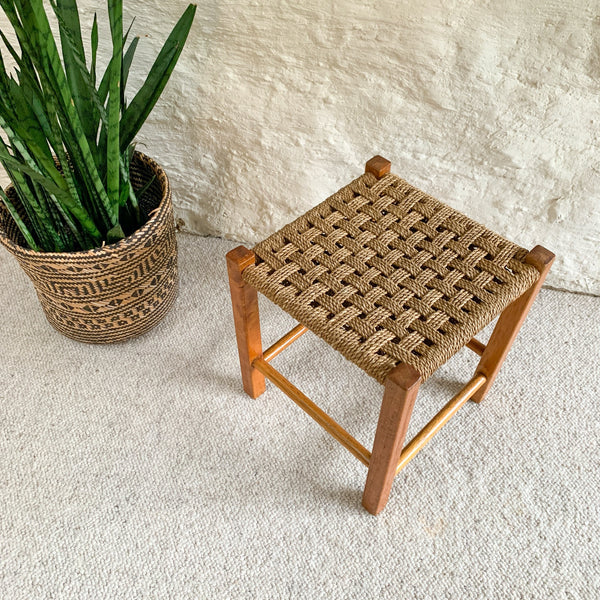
[[289, 338], [426, 434], [308, 406], [338, 432], [476, 346]]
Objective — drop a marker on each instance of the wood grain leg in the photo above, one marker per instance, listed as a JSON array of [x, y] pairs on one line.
[[246, 318], [401, 387], [510, 322]]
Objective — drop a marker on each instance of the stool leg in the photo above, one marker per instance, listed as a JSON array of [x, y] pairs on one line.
[[401, 387], [246, 318], [510, 322]]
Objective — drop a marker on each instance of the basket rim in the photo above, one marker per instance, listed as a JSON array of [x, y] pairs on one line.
[[156, 217]]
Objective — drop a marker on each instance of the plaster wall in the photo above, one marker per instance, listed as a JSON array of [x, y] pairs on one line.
[[493, 107]]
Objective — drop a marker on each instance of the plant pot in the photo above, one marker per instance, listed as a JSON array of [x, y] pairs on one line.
[[115, 292]]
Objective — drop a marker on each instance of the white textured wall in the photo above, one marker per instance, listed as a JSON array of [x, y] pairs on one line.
[[492, 107]]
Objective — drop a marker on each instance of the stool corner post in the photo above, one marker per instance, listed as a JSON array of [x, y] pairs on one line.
[[400, 391], [238, 259], [541, 258], [244, 300], [378, 166], [510, 322]]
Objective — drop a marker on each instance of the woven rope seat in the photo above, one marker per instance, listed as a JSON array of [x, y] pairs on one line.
[[386, 274]]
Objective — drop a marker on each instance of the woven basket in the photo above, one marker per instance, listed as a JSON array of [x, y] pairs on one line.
[[116, 292]]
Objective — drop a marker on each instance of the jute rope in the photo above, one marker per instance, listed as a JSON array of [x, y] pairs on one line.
[[386, 274]]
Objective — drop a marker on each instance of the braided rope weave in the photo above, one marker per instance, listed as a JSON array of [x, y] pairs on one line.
[[385, 274]]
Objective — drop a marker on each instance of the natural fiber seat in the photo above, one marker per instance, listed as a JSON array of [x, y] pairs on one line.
[[397, 282], [385, 274]]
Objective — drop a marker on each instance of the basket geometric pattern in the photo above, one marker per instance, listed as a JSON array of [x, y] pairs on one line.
[[386, 274], [115, 292]]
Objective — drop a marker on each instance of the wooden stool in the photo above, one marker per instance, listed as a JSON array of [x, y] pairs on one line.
[[397, 282]]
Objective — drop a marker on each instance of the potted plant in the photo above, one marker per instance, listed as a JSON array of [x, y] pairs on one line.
[[88, 218]]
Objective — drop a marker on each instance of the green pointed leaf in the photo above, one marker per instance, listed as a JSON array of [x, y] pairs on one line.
[[103, 94], [92, 106], [40, 218], [115, 234], [51, 110], [45, 56], [17, 219], [26, 148], [74, 208], [10, 48], [139, 109], [74, 60], [104, 82], [127, 60], [54, 222], [115, 14], [94, 42], [84, 242]]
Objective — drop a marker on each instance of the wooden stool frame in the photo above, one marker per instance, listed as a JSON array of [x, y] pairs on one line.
[[401, 385]]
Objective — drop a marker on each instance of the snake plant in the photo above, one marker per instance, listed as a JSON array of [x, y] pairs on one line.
[[68, 132]]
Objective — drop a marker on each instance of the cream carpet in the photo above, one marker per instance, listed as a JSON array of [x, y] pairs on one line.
[[141, 470]]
